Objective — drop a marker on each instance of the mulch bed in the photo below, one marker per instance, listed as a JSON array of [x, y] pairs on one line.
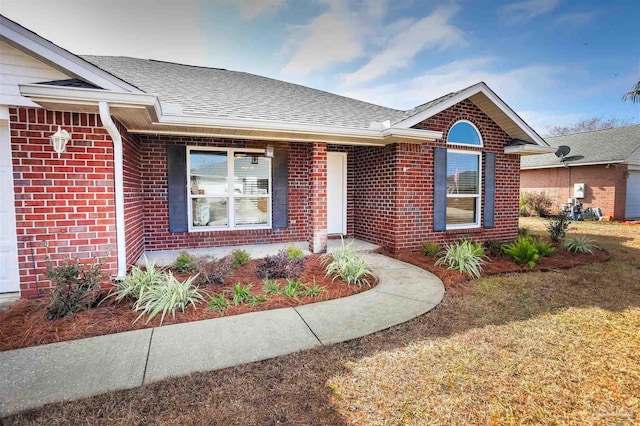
[[23, 324], [501, 265]]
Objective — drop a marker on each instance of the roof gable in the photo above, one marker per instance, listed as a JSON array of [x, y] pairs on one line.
[[58, 58], [616, 145], [485, 99]]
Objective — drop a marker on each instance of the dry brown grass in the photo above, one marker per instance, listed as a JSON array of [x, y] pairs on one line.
[[560, 347]]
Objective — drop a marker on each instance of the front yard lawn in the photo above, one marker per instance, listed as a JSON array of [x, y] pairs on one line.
[[556, 347]]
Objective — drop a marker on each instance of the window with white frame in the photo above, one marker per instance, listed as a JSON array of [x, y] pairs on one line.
[[228, 189], [463, 177]]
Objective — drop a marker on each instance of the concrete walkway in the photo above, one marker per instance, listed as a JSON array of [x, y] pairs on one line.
[[34, 376]]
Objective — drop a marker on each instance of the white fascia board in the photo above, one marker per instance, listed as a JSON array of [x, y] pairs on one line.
[[82, 96], [467, 93], [554, 166], [529, 149], [24, 39]]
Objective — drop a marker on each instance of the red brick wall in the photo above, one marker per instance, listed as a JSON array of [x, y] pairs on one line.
[[394, 186], [156, 213], [604, 188], [64, 206], [133, 196], [318, 198]]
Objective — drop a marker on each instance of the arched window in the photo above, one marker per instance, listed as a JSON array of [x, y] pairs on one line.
[[464, 169], [464, 133]]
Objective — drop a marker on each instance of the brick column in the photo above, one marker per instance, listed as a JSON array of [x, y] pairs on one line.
[[318, 198]]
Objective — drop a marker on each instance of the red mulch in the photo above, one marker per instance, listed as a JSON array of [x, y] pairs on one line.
[[23, 324], [502, 265]]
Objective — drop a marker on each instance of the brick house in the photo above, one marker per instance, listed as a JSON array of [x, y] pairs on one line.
[[169, 156], [604, 164]]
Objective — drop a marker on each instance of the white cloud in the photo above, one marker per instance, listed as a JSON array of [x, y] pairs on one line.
[[525, 11], [432, 31], [329, 39], [250, 9], [512, 85], [574, 20], [143, 28]]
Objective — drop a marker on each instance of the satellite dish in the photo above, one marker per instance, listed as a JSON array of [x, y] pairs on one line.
[[562, 151]]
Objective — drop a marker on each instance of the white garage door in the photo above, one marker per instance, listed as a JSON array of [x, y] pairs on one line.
[[632, 208], [9, 280]]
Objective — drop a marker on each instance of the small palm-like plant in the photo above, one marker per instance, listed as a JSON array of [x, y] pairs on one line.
[[545, 249], [523, 250], [464, 256], [348, 265], [580, 244], [241, 293], [137, 282], [168, 296]]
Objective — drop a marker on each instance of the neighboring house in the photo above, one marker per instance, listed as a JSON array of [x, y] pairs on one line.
[[168, 156], [605, 164]]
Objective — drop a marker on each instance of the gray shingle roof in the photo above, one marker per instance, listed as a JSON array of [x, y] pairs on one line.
[[221, 93], [600, 146]]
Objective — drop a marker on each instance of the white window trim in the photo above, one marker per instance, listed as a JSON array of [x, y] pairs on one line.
[[462, 143], [478, 197], [231, 195]]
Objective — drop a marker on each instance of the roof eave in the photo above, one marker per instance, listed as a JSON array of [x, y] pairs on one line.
[[554, 166], [528, 149], [153, 121]]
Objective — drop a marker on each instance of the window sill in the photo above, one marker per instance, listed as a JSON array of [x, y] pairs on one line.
[[248, 228], [464, 228]]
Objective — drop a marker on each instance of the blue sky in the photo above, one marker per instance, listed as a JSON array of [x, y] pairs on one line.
[[552, 61]]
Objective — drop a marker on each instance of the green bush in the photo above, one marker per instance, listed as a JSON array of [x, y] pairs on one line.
[[347, 264], [464, 256], [294, 252], [280, 265], [218, 303], [77, 287], [431, 249], [167, 296], [240, 258], [523, 250], [581, 244], [241, 294], [184, 263], [557, 227], [544, 248], [524, 210]]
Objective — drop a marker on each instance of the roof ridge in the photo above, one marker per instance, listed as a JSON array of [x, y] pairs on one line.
[[592, 131]]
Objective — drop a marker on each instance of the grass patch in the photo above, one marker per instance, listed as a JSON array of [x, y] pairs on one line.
[[557, 347]]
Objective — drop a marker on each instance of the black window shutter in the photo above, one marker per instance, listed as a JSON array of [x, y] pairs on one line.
[[489, 189], [177, 193], [440, 189], [280, 184]]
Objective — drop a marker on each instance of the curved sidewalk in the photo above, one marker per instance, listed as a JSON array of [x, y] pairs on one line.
[[34, 376]]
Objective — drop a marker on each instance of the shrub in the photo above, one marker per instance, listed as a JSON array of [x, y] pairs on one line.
[[219, 303], [464, 256], [524, 210], [523, 231], [167, 296], [523, 250], [292, 288], [270, 287], [184, 263], [347, 264], [294, 252], [313, 291], [557, 227], [537, 203], [137, 282], [431, 249], [494, 247], [211, 271], [280, 266], [240, 258], [544, 248], [241, 293], [581, 244], [77, 287]]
